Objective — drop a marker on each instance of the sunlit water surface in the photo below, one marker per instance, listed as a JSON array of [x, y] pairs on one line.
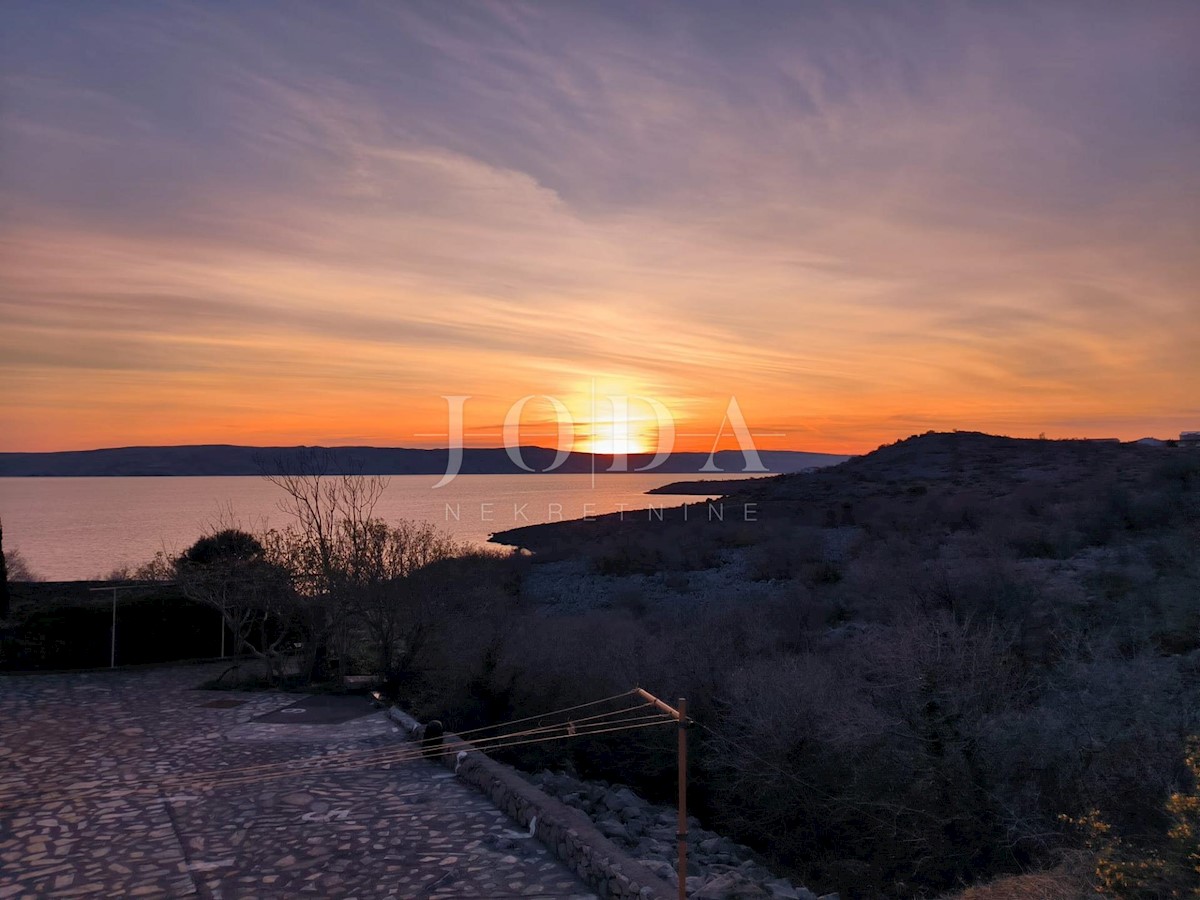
[[78, 528]]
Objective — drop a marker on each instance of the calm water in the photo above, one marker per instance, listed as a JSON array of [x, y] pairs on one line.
[[78, 528]]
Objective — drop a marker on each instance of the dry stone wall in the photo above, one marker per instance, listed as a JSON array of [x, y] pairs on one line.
[[618, 843], [568, 833]]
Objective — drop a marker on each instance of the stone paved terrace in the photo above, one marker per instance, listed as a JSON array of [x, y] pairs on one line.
[[409, 830]]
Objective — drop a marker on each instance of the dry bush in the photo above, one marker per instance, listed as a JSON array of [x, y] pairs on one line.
[[787, 554], [1057, 885], [1161, 862], [980, 658], [673, 547], [17, 567], [864, 761]]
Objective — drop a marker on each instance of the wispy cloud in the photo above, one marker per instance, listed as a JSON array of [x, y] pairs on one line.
[[852, 217]]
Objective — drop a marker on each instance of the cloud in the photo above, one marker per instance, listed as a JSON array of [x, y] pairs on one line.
[[923, 213]]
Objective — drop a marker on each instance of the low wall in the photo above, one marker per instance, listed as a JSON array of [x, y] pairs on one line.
[[568, 833]]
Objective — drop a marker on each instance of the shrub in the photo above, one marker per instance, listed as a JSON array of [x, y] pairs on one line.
[[17, 567], [1163, 864]]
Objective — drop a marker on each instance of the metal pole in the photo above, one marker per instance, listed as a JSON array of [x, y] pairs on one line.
[[682, 713], [112, 648], [222, 617]]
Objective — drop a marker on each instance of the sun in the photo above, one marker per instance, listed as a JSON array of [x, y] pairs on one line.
[[617, 416], [610, 438]]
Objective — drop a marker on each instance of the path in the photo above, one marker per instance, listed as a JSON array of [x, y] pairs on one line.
[[411, 831]]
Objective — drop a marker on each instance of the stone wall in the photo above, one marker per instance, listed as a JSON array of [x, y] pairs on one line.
[[718, 868], [568, 833]]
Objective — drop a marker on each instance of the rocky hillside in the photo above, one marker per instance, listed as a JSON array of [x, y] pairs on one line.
[[914, 664]]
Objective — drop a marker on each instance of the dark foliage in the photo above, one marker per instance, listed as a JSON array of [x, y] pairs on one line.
[[908, 669], [225, 547], [922, 659], [4, 598], [63, 626]]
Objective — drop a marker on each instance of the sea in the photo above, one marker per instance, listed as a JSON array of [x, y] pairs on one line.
[[70, 529]]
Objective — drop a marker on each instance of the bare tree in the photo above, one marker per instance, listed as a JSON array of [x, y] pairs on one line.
[[391, 601], [332, 510], [16, 567], [327, 547], [359, 566]]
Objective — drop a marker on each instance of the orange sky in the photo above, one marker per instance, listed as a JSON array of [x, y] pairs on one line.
[[266, 228]]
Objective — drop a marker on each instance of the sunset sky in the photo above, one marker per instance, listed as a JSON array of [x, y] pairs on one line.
[[282, 223]]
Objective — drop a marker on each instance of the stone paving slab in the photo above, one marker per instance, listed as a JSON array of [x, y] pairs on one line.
[[320, 710], [82, 813]]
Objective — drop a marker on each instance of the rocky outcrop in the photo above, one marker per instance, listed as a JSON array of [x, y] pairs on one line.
[[618, 843], [718, 868]]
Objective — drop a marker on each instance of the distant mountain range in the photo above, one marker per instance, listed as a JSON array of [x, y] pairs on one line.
[[227, 459]]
